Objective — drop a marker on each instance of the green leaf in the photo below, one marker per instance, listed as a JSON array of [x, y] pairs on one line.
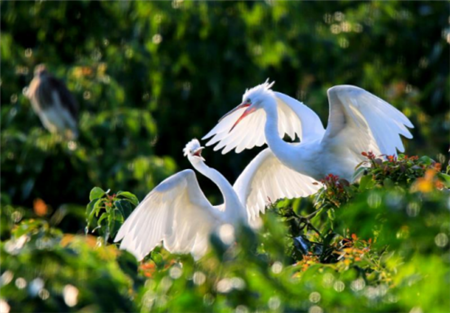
[[129, 196], [96, 193], [445, 179], [365, 183], [125, 207], [111, 223], [90, 211], [99, 222], [98, 206], [426, 160], [331, 214], [157, 258]]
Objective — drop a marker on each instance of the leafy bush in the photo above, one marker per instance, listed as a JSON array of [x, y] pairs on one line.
[[109, 212], [44, 270], [385, 248]]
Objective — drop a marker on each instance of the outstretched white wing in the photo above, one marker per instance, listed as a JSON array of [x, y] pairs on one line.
[[177, 213], [267, 178], [294, 118], [360, 121]]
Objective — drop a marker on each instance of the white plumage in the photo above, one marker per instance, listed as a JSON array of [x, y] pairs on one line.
[[267, 179], [358, 122], [177, 214]]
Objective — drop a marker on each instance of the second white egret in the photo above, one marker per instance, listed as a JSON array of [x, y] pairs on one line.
[[358, 122]]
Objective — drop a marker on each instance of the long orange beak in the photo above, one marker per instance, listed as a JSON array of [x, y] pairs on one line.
[[242, 105], [198, 153], [246, 112]]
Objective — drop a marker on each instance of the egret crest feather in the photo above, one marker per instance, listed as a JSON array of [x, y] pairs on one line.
[[259, 89]]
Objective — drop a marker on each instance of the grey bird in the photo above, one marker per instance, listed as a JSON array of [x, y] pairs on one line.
[[53, 103]]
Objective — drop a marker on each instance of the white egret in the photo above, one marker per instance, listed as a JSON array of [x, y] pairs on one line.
[[358, 121], [178, 214], [53, 103]]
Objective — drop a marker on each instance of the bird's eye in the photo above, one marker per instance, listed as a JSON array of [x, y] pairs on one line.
[[249, 101]]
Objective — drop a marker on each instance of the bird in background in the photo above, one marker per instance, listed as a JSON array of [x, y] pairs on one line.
[[358, 121], [53, 103]]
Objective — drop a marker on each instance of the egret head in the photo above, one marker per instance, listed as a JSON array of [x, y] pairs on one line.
[[40, 70], [253, 99], [193, 151]]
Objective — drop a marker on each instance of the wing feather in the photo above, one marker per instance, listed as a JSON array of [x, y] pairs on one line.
[[171, 213], [295, 119], [361, 121], [266, 177]]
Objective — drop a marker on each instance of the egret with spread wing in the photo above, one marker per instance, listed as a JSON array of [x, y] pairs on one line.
[[178, 214], [358, 121]]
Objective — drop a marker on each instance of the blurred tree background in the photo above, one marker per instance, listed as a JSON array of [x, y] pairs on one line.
[[150, 76]]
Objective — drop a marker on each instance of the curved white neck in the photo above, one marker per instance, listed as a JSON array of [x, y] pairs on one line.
[[279, 147], [233, 206], [297, 157]]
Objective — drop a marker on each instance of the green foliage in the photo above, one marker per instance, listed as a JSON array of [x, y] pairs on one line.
[[370, 270], [386, 244], [394, 170], [378, 172], [108, 212], [45, 270], [149, 76]]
